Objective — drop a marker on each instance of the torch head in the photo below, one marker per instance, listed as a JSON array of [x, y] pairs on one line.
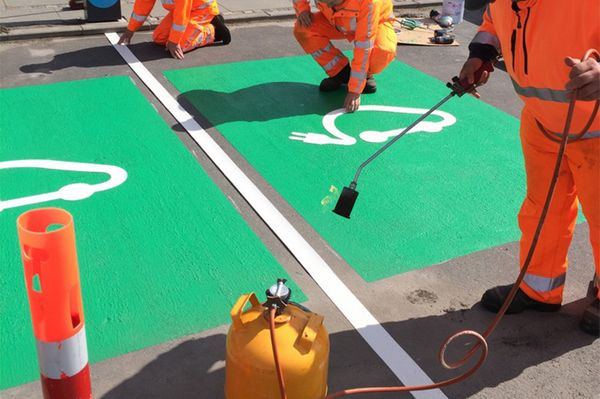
[[346, 201]]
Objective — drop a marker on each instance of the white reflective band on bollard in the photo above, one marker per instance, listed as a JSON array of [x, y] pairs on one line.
[[60, 359]]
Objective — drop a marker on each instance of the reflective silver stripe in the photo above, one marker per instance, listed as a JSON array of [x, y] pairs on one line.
[[486, 38], [544, 284], [179, 28], [560, 96], [363, 67], [331, 64], [588, 135], [370, 22], [63, 358], [322, 51], [353, 24], [139, 18], [167, 2], [205, 5], [358, 75], [363, 44], [192, 36]]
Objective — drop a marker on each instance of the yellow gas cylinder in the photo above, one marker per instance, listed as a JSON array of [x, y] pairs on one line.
[[302, 345]]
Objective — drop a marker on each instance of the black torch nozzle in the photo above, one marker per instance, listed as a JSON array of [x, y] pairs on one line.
[[346, 201]]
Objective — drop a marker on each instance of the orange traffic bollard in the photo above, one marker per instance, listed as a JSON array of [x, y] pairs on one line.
[[47, 240]]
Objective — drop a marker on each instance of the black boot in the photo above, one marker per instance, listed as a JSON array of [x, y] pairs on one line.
[[590, 321], [335, 82], [370, 86], [222, 33], [493, 299]]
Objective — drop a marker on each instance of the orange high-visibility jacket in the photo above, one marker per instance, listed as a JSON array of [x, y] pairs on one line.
[[535, 36], [358, 20], [181, 9]]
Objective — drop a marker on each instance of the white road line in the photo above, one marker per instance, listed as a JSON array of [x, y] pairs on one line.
[[399, 362]]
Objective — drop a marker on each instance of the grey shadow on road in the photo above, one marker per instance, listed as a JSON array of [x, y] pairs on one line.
[[99, 56], [521, 341], [255, 103]]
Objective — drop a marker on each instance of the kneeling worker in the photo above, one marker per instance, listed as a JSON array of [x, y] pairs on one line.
[[368, 23], [188, 25]]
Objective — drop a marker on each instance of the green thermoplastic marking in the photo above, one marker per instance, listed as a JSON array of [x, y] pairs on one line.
[[449, 190], [161, 256]]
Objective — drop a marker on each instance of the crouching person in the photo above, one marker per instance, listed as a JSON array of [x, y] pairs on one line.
[[367, 23], [188, 25]]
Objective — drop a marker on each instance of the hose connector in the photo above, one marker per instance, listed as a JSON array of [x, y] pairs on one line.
[[278, 296]]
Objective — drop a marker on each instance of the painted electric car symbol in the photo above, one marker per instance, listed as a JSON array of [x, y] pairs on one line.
[[70, 192], [338, 137]]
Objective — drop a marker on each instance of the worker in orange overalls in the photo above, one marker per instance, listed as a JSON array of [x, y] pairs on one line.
[[368, 23], [541, 42], [188, 25]]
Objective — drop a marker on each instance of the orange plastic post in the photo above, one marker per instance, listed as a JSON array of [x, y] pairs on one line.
[[47, 240]]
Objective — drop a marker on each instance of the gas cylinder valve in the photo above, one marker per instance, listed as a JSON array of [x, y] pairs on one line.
[[278, 296]]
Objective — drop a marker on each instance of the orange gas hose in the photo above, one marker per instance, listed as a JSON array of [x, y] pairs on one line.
[[275, 355], [481, 338]]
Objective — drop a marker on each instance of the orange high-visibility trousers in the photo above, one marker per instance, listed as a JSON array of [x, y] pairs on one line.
[[198, 33], [316, 41], [578, 181]]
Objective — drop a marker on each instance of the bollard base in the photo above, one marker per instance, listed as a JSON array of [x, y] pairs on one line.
[[78, 386]]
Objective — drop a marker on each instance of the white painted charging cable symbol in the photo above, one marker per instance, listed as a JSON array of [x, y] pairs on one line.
[[372, 136], [70, 192]]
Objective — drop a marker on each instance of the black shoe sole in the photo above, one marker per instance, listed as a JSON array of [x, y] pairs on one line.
[[369, 90], [494, 305], [545, 308]]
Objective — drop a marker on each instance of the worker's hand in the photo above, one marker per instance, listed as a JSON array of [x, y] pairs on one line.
[[305, 19], [175, 50], [125, 38], [468, 73], [584, 77], [352, 102]]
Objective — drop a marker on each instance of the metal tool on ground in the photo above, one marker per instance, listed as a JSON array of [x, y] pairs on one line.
[[443, 39], [443, 36], [410, 24], [444, 21], [443, 32], [459, 88]]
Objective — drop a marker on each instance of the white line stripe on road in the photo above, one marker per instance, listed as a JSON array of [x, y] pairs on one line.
[[401, 364]]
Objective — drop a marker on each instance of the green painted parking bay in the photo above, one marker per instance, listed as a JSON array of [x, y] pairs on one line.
[[450, 188], [162, 254]]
